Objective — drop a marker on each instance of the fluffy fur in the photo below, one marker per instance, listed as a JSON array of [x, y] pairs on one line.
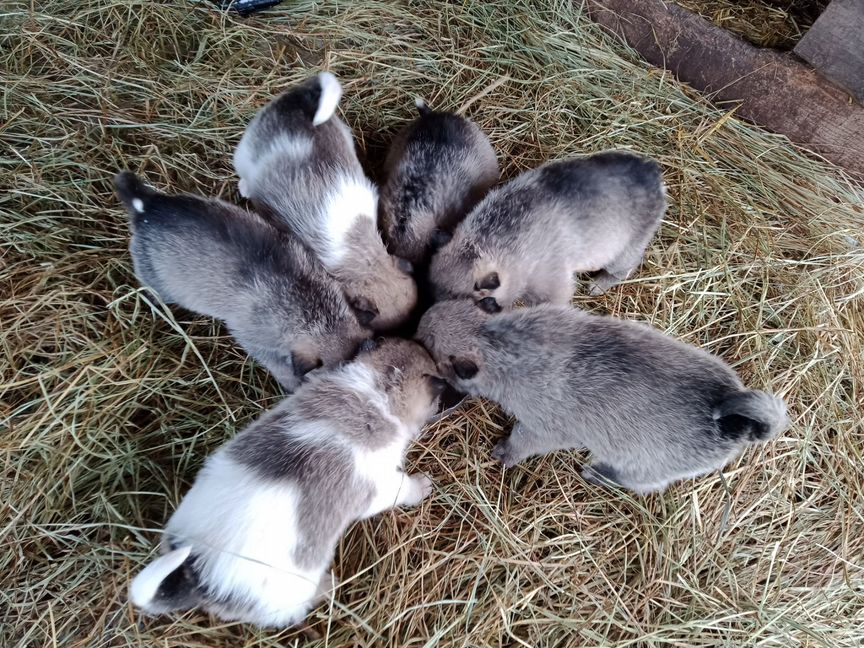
[[438, 167], [298, 166], [650, 409], [218, 260], [526, 239], [254, 537]]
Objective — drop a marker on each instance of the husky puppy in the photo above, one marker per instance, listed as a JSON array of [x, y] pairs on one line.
[[650, 409], [527, 238], [254, 537], [438, 168], [219, 260], [298, 166]]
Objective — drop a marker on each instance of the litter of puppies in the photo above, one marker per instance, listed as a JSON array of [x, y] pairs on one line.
[[305, 280]]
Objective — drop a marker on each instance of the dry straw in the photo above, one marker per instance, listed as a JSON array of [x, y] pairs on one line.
[[767, 23], [110, 401]]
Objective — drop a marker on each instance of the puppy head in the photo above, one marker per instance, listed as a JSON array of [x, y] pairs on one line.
[[407, 375], [451, 331], [452, 269], [328, 346], [385, 294]]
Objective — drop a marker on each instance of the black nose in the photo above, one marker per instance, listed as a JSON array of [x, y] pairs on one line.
[[489, 305]]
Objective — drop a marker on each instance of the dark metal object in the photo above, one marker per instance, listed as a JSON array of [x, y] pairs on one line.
[[246, 7]]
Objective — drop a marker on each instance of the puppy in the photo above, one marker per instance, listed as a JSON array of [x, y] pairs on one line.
[[218, 260], [298, 166], [650, 409], [254, 537], [526, 239], [438, 168]]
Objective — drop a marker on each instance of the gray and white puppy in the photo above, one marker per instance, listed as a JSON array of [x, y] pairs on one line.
[[650, 409], [527, 238], [254, 537], [438, 167], [298, 165], [219, 260]]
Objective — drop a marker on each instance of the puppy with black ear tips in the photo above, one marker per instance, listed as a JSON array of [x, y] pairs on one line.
[[527, 238], [216, 259], [298, 165], [254, 537], [438, 167], [650, 409]]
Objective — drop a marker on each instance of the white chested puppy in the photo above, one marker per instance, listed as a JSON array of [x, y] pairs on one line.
[[650, 409], [438, 167], [527, 238], [219, 260], [254, 537], [298, 166]]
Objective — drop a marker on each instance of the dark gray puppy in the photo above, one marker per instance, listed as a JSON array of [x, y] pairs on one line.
[[219, 260], [298, 165], [527, 238], [254, 537], [650, 409], [438, 168]]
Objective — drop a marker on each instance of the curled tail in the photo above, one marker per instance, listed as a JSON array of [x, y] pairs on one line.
[[754, 414], [168, 583], [422, 108], [331, 92], [133, 193]]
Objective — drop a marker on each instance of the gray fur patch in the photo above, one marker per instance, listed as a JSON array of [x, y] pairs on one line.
[[643, 403]]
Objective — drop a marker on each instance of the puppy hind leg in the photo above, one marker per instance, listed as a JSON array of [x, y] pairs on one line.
[[601, 474], [617, 270], [608, 476]]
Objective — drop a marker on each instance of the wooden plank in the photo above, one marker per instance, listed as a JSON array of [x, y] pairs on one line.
[[773, 89], [835, 45]]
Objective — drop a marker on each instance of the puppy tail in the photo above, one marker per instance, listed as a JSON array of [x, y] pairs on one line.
[[752, 413], [168, 583], [133, 193], [422, 108], [331, 92]]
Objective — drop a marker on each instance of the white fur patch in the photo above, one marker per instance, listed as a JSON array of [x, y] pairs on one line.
[[249, 167], [352, 198], [419, 103], [243, 531], [138, 205], [331, 92], [243, 187], [145, 585]]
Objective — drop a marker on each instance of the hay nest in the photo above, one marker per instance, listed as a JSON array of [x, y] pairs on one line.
[[110, 402]]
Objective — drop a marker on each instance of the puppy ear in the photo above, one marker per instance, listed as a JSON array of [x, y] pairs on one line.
[[404, 265], [303, 364], [489, 305], [364, 309], [489, 282], [440, 238], [464, 368]]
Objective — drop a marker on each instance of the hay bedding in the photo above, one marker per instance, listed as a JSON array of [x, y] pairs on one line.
[[110, 402]]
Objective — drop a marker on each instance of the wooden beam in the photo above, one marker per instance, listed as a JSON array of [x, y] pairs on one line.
[[835, 45], [772, 89]]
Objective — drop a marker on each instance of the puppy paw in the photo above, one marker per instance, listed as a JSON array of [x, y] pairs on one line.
[[600, 475], [420, 487], [504, 453], [595, 289]]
